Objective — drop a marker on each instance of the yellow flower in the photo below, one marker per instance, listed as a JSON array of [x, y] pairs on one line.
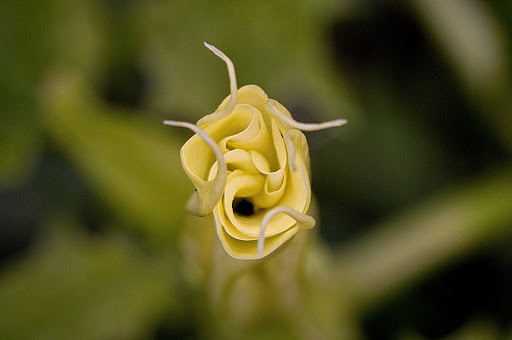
[[249, 162]]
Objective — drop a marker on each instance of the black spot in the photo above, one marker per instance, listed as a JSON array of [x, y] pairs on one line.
[[243, 207]]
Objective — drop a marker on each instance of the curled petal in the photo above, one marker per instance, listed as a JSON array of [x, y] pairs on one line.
[[232, 87], [304, 222], [206, 198], [291, 150], [241, 159]]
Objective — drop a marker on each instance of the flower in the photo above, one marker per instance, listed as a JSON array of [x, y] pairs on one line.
[[249, 163]]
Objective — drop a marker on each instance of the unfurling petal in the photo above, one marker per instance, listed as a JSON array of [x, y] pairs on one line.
[[208, 192], [304, 222]]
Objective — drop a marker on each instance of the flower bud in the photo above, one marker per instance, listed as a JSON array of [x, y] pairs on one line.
[[249, 162]]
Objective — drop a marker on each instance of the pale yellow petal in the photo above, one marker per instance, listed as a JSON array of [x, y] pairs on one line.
[[260, 162], [239, 185], [298, 146], [205, 200], [278, 130], [304, 222], [255, 138], [271, 192], [240, 159], [219, 214], [248, 94], [276, 180], [296, 196], [198, 158], [298, 190], [248, 250]]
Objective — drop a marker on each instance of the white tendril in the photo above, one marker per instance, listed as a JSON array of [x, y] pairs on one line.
[[277, 113], [304, 222], [232, 85], [274, 110], [215, 187]]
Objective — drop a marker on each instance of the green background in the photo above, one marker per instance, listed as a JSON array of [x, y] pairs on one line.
[[414, 194]]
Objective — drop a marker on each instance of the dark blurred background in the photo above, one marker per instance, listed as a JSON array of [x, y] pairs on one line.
[[414, 194]]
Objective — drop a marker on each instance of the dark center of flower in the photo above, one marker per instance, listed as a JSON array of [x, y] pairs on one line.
[[243, 207]]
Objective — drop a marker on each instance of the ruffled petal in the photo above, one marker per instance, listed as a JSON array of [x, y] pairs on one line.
[[248, 250]]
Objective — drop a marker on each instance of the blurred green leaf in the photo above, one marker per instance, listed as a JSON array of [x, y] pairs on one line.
[[476, 45], [77, 287], [477, 329], [35, 35], [132, 162], [23, 53], [278, 45], [441, 230], [19, 134]]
